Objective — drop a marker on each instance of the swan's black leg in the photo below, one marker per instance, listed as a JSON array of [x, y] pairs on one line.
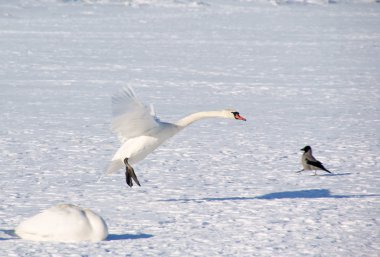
[[130, 174]]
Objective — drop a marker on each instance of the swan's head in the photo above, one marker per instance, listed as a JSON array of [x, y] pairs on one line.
[[233, 114]]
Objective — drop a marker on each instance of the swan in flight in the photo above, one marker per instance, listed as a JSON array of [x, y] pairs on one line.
[[141, 132]]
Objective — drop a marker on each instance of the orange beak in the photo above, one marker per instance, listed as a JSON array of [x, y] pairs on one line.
[[238, 117]]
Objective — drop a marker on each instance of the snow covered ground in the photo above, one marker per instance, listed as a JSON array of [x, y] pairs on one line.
[[300, 73]]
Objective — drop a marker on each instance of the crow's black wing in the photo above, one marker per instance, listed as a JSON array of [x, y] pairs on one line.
[[317, 164]]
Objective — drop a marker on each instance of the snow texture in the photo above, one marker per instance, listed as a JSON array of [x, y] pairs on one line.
[[302, 74]]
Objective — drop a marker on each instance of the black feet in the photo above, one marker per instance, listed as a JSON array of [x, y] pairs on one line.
[[130, 174]]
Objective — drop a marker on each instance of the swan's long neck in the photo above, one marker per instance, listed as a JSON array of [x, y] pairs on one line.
[[199, 116]]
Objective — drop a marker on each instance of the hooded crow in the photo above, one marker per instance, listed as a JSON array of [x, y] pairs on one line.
[[309, 162]]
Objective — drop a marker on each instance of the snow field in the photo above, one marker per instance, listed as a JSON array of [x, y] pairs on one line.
[[300, 74]]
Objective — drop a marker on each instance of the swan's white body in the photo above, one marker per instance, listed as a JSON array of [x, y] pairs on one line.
[[64, 223], [142, 132], [137, 148]]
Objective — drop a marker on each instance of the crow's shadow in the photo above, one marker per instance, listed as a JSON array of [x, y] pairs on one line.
[[113, 237], [334, 174], [300, 194]]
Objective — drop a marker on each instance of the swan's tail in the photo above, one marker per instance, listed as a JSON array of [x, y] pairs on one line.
[[114, 166]]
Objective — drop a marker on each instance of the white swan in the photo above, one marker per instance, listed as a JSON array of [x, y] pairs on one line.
[[141, 132], [64, 223]]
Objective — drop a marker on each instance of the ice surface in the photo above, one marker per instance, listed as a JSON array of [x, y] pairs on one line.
[[300, 74]]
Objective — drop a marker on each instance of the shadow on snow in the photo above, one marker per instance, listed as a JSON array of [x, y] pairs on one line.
[[334, 174], [301, 194], [9, 232], [113, 237]]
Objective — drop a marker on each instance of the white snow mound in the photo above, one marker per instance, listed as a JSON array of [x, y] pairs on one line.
[[64, 223]]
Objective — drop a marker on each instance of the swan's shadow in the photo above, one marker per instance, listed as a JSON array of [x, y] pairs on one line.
[[9, 232], [113, 237], [301, 194], [311, 193]]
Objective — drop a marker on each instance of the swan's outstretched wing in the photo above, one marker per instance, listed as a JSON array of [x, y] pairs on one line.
[[131, 118]]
